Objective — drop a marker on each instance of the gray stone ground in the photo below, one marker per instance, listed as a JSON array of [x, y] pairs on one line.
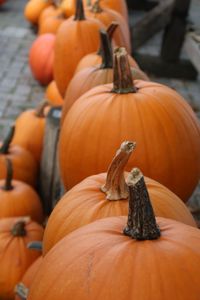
[[18, 89]]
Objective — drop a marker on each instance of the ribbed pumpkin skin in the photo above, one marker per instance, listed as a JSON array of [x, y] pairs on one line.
[[70, 212], [30, 274], [99, 262], [41, 58], [70, 36], [164, 127], [121, 35], [51, 24], [34, 8], [52, 95], [15, 257], [24, 165], [29, 133], [22, 200], [93, 59]]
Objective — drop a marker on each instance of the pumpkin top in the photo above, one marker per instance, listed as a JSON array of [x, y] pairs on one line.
[[96, 8], [106, 51], [79, 13], [9, 177], [19, 228], [4, 149], [40, 109]]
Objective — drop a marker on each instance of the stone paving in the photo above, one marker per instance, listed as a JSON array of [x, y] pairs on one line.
[[18, 89]]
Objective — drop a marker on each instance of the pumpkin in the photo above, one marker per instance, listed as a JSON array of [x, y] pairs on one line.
[[95, 58], [50, 11], [41, 58], [121, 35], [90, 77], [15, 234], [72, 33], [118, 259], [18, 198], [52, 95], [155, 116], [34, 8], [29, 130], [51, 24], [24, 165], [105, 195]]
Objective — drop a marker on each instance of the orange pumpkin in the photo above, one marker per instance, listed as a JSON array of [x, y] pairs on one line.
[[105, 15], [29, 130], [52, 95], [149, 258], [95, 58], [51, 24], [15, 234], [105, 195], [24, 164], [18, 198], [34, 8], [41, 58], [90, 77], [155, 116], [50, 11], [72, 33]]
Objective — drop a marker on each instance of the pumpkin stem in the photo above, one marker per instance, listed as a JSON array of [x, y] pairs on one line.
[[4, 149], [21, 291], [96, 8], [39, 112], [110, 31], [106, 51], [88, 3], [35, 245], [8, 182], [19, 228], [123, 81], [141, 223], [115, 187], [79, 14]]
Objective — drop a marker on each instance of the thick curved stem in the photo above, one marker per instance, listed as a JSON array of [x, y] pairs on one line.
[[21, 291], [9, 177], [106, 51], [115, 187], [6, 143], [141, 223], [110, 31], [79, 14], [123, 81], [96, 8], [35, 245], [39, 112]]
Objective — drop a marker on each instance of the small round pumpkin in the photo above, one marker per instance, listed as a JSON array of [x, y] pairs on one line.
[[52, 95], [24, 165], [18, 198], [34, 8], [105, 195], [15, 257], [74, 32], [41, 58], [29, 130], [155, 116], [118, 259]]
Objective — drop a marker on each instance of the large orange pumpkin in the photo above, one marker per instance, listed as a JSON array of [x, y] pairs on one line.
[[149, 258], [29, 130], [121, 35], [155, 116], [18, 198], [76, 37], [52, 95], [34, 8], [41, 58], [105, 195], [93, 76], [24, 165], [15, 257]]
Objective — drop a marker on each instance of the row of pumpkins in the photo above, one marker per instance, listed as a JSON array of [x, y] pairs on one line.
[[89, 249]]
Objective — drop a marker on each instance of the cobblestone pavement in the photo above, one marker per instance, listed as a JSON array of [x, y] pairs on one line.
[[18, 89]]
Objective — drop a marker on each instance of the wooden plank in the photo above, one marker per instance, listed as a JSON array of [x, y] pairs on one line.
[[50, 186], [156, 66], [174, 34], [152, 22], [192, 47], [145, 5]]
